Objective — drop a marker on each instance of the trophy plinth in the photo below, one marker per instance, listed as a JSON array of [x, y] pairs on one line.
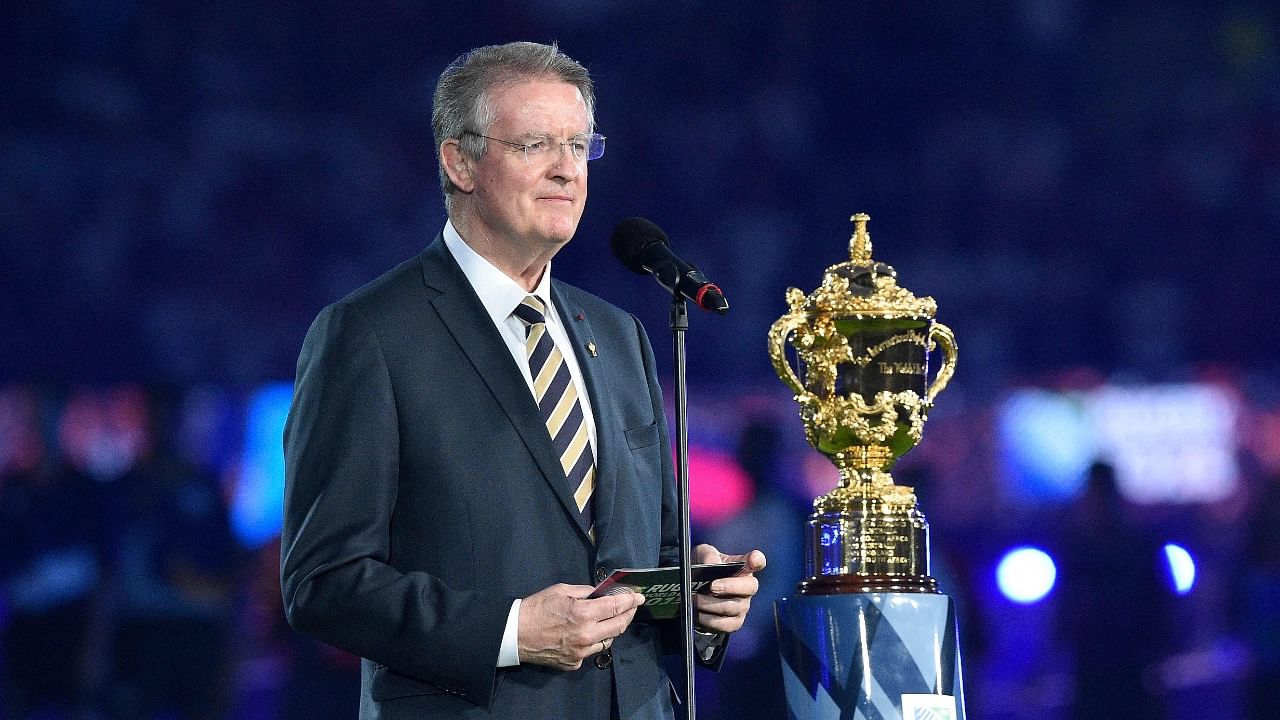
[[864, 346]]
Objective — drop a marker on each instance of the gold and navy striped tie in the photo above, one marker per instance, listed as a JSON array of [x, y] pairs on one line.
[[559, 406]]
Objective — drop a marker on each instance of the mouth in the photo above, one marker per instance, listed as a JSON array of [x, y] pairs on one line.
[[558, 199]]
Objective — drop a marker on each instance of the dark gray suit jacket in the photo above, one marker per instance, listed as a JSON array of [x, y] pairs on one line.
[[423, 496]]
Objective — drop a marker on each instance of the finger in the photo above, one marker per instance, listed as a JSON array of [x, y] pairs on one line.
[[707, 553], [717, 623], [722, 607], [603, 608], [754, 561], [616, 625], [634, 600], [739, 586], [578, 592]]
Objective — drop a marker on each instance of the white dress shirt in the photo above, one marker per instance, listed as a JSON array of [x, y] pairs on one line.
[[500, 295]]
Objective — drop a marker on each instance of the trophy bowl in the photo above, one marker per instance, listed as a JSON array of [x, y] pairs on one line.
[[864, 346]]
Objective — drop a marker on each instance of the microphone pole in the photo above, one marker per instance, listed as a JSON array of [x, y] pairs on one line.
[[645, 249], [680, 324]]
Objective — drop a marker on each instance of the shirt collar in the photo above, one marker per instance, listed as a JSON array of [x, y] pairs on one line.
[[498, 293]]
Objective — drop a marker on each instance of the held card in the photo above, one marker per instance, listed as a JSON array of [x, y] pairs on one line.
[[661, 586]]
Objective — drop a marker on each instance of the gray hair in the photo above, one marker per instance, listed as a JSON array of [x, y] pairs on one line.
[[462, 103]]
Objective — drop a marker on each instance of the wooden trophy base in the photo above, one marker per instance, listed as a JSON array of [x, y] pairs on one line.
[[872, 583]]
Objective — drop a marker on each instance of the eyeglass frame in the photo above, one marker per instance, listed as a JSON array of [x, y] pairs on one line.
[[524, 147]]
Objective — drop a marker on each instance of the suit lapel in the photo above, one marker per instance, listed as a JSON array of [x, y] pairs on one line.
[[578, 327], [465, 317]]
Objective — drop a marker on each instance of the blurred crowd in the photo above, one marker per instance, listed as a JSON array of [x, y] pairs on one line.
[[123, 590], [129, 588]]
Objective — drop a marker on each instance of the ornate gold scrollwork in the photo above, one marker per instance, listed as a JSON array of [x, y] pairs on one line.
[[863, 409]]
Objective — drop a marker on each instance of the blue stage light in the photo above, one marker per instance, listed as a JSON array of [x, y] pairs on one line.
[[1181, 566], [1026, 574], [258, 499], [1046, 443]]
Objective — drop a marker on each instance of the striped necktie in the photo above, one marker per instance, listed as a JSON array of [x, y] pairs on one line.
[[558, 404]]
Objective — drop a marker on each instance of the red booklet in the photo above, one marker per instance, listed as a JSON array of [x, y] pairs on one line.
[[661, 586]]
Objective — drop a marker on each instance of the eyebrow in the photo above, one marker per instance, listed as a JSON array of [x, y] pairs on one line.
[[583, 135]]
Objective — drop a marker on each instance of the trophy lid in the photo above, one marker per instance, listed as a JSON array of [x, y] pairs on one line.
[[862, 287]]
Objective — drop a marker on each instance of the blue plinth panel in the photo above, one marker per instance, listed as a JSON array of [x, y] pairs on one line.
[[855, 656]]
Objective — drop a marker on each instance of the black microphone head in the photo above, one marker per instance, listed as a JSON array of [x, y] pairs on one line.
[[711, 298], [631, 237]]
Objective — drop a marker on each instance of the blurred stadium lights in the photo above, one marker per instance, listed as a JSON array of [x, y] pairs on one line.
[[1046, 443], [1026, 574], [718, 486], [257, 502], [1169, 443], [1182, 568]]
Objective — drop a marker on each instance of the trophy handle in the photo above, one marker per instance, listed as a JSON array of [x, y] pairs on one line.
[[947, 339], [778, 335]]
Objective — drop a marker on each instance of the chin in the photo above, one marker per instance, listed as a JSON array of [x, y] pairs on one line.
[[562, 232], [560, 239]]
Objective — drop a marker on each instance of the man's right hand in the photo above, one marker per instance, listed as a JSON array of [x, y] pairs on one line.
[[560, 627]]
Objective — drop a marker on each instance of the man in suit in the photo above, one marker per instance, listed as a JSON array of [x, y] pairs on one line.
[[473, 445]]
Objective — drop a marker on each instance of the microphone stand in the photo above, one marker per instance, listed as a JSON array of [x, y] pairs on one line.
[[679, 324]]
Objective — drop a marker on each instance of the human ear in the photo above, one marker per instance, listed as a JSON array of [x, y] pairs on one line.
[[457, 165]]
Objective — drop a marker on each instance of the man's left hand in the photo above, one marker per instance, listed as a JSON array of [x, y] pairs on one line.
[[725, 609]]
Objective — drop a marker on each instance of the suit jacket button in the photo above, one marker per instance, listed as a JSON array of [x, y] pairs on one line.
[[604, 659], [601, 574]]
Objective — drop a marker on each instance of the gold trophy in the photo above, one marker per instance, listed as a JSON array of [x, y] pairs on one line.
[[864, 345]]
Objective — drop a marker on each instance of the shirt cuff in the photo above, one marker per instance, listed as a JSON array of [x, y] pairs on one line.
[[707, 643], [509, 651]]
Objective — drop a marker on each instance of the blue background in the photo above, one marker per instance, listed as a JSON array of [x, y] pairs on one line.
[[1090, 190]]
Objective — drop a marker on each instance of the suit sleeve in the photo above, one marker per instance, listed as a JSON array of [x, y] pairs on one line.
[[670, 551], [342, 474]]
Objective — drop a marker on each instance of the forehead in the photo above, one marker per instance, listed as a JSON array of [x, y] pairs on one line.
[[539, 106]]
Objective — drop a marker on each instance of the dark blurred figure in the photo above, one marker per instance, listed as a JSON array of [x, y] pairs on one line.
[[750, 686], [176, 584], [52, 557], [1259, 601], [323, 684], [1114, 604], [320, 681]]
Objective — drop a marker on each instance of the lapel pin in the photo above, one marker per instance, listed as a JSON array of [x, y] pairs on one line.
[[591, 348], [579, 316]]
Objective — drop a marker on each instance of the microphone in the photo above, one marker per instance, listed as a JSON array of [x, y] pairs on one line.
[[646, 250]]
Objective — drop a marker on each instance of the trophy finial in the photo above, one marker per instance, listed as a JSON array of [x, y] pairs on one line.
[[860, 243]]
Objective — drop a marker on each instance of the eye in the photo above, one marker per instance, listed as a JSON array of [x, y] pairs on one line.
[[579, 147], [535, 147]]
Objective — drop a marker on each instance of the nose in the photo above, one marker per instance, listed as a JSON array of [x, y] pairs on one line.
[[565, 166]]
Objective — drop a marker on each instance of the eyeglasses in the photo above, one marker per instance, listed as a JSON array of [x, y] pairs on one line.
[[543, 148]]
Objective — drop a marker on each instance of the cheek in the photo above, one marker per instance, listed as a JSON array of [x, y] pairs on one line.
[[506, 185]]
